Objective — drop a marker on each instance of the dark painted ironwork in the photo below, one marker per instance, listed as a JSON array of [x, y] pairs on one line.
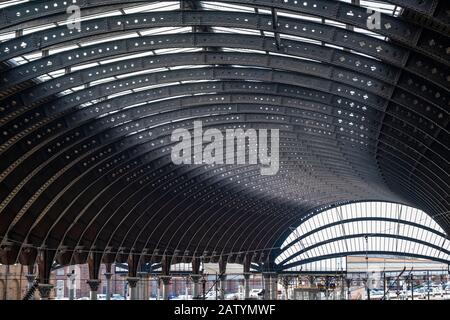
[[87, 172]]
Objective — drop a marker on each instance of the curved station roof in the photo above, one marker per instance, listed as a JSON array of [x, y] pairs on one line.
[[91, 90]]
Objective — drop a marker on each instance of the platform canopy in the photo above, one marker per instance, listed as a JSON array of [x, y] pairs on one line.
[[91, 91]]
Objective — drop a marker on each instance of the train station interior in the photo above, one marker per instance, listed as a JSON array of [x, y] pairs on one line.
[[224, 150]]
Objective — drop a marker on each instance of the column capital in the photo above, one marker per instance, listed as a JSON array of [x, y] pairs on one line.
[[44, 290], [222, 277], [247, 275], [31, 277], [93, 284], [165, 279], [196, 277], [132, 281], [108, 275]]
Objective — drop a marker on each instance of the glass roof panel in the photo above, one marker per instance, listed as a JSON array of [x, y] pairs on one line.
[[317, 229]]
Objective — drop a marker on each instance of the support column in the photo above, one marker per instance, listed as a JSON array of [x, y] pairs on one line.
[[44, 290], [266, 277], [44, 261], [94, 261], [93, 285], [158, 288], [196, 276], [31, 277], [132, 283], [195, 286], [247, 286], [71, 278], [223, 260], [285, 283], [274, 286], [222, 286], [327, 287], [349, 292], [108, 276], [165, 286], [27, 257], [246, 266], [144, 293], [30, 280]]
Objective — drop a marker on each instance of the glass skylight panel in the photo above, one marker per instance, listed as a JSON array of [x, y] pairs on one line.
[[78, 88], [292, 57], [434, 252], [148, 71], [9, 3], [327, 218], [335, 23], [236, 30], [342, 246], [156, 86], [177, 50], [57, 73], [126, 57], [426, 235], [44, 78], [280, 258], [298, 16], [38, 28], [87, 17], [392, 244], [412, 215], [313, 222], [84, 66], [301, 39], [420, 216], [416, 233], [119, 94], [7, 36], [428, 251], [422, 249], [220, 6], [443, 255], [380, 6], [154, 7], [20, 60], [62, 49], [165, 30], [112, 37], [32, 56], [100, 81], [315, 238], [332, 232], [369, 33]]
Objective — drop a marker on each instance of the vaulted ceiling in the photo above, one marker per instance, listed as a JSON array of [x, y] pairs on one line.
[[86, 117]]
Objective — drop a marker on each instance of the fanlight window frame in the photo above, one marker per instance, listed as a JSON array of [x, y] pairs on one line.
[[369, 227]]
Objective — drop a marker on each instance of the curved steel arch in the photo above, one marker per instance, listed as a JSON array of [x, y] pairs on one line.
[[401, 254], [366, 119], [365, 219], [424, 243]]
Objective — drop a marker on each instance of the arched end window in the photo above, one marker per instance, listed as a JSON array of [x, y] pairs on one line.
[[363, 228]]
